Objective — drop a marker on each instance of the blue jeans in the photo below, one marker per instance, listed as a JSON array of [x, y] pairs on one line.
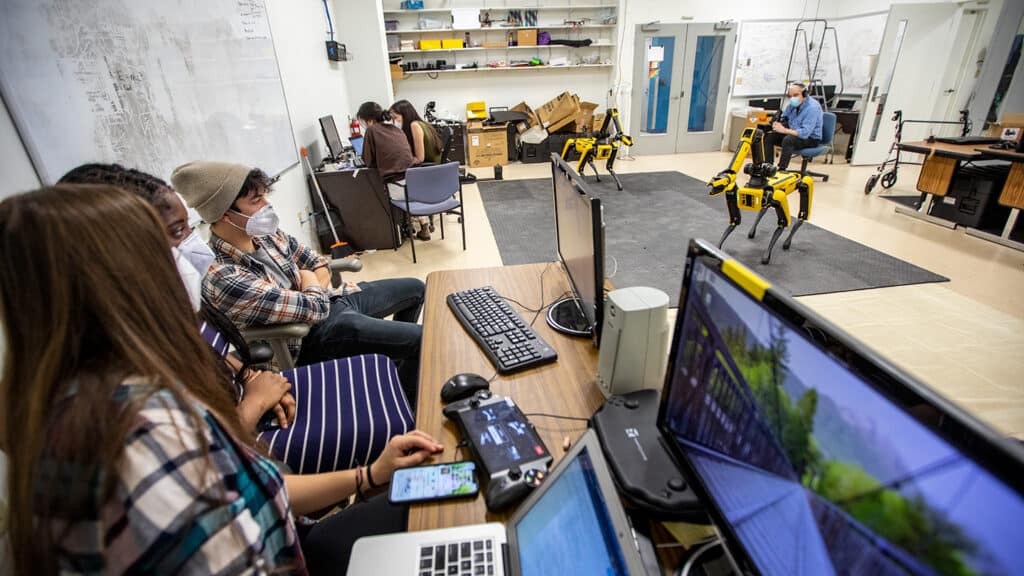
[[355, 326]]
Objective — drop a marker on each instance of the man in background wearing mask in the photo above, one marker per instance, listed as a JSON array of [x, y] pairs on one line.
[[261, 275], [798, 127]]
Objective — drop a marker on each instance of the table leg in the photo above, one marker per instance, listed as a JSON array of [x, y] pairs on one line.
[[922, 213], [1004, 238]]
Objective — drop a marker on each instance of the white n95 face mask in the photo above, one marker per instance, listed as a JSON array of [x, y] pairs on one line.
[[197, 252], [262, 223], [192, 279]]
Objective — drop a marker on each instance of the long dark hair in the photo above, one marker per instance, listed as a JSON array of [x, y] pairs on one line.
[[407, 111], [89, 296]]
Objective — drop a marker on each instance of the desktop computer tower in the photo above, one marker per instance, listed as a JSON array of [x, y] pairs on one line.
[[634, 341]]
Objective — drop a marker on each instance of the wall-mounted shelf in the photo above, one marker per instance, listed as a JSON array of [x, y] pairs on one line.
[[507, 68], [482, 8], [484, 49], [499, 29]]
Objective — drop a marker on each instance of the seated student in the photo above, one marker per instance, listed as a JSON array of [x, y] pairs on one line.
[[314, 443], [423, 138], [262, 276], [798, 127], [386, 148], [129, 455]]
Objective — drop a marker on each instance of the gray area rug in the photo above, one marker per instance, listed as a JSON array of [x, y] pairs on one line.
[[650, 222]]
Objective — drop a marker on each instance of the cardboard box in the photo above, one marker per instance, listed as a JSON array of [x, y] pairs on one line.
[[585, 118], [486, 145], [451, 43], [430, 44], [533, 121], [494, 44], [396, 72], [559, 112], [598, 121], [526, 38]]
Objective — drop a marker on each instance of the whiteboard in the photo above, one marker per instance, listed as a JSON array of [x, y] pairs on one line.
[[147, 84], [764, 47]]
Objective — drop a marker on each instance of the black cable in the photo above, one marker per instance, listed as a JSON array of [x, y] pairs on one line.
[[546, 415], [517, 303]]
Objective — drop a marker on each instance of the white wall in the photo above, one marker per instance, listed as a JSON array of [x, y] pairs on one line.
[[314, 87], [18, 174], [360, 27]]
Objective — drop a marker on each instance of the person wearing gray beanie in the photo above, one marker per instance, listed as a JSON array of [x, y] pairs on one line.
[[262, 276]]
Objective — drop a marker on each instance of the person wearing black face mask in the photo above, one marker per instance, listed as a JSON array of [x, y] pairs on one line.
[[263, 275], [798, 127]]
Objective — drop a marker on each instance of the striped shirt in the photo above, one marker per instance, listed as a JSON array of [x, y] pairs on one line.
[[242, 288], [173, 512]]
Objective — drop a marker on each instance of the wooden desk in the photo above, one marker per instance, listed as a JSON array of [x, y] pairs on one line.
[[1012, 196], [941, 162], [566, 387]]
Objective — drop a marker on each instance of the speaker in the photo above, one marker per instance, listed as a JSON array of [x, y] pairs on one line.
[[634, 341]]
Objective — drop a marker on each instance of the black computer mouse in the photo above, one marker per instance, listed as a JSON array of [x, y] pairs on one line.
[[463, 386]]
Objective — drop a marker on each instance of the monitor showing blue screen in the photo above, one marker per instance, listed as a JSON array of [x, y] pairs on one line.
[[812, 468], [568, 530], [357, 145]]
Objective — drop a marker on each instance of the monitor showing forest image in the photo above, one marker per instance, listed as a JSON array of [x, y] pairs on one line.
[[810, 467]]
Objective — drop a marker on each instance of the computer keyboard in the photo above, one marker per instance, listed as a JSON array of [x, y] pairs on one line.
[[470, 558], [509, 343]]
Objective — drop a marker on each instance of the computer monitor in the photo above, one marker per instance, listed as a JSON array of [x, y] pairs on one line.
[[815, 455], [579, 232], [331, 136]]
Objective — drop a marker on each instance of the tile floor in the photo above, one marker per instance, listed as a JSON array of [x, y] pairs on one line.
[[964, 338]]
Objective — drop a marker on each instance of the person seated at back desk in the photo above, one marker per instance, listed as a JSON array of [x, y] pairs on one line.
[[798, 127], [386, 148]]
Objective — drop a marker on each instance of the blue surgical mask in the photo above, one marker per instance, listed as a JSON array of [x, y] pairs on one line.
[[794, 101]]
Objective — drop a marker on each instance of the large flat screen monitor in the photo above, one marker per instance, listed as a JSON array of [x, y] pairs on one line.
[[331, 136], [579, 231], [816, 456]]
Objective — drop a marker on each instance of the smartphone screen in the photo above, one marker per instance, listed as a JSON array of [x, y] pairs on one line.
[[434, 482]]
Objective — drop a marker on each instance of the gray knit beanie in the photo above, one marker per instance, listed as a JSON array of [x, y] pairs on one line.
[[209, 187]]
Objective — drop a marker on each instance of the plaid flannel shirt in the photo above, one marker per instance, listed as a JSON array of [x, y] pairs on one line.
[[241, 287], [173, 512]]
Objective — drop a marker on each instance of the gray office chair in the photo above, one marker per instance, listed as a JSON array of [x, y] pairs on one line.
[[432, 190], [277, 336], [828, 130]]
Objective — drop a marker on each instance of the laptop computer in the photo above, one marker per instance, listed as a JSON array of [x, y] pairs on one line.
[[977, 140], [572, 524], [357, 145]]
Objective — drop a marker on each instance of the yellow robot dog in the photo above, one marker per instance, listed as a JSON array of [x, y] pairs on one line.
[[767, 188], [602, 146]]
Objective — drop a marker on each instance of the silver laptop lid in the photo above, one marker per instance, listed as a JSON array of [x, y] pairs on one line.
[[574, 524]]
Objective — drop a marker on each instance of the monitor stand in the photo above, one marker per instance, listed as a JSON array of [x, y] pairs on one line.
[[566, 317]]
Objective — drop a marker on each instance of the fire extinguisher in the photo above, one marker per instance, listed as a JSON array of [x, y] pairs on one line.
[[353, 128]]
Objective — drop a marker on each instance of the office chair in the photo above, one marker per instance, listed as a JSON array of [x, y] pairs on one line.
[[828, 130], [431, 190], [277, 336]]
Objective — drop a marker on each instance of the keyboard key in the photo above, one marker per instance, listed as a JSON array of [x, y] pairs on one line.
[[426, 573], [490, 571], [453, 552], [489, 544], [479, 556], [439, 556], [490, 556], [479, 570], [452, 570], [466, 565], [426, 551], [425, 564]]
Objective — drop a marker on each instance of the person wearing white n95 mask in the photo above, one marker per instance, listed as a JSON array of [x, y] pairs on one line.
[[191, 277], [198, 252]]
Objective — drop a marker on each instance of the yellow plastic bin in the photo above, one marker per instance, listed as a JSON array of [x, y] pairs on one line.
[[476, 111], [430, 44]]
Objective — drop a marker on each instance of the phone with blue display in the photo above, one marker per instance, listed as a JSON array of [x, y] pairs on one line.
[[434, 482]]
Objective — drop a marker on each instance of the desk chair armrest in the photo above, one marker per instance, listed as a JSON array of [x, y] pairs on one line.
[[277, 336], [345, 265], [275, 331]]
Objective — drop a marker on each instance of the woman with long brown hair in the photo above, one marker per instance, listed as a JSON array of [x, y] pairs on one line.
[[125, 450]]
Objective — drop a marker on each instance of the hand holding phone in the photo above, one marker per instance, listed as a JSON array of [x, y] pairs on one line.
[[434, 482]]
